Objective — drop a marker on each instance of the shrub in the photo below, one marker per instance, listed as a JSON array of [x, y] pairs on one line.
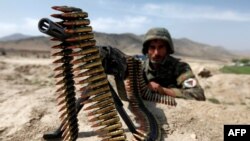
[[214, 100]]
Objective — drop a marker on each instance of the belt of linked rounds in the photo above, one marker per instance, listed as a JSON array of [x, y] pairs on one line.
[[77, 58], [148, 129]]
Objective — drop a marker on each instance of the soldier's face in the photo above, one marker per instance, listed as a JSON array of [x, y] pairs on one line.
[[157, 51]]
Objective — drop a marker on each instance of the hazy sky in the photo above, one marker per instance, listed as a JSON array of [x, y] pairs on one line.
[[216, 22]]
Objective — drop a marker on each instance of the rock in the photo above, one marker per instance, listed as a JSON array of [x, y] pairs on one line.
[[205, 73], [193, 136]]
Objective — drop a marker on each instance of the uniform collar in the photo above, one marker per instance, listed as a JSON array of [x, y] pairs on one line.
[[148, 66]]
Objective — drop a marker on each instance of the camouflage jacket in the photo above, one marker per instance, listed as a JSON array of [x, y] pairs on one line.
[[175, 75]]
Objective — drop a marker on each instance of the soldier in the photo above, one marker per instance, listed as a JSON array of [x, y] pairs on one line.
[[163, 73]]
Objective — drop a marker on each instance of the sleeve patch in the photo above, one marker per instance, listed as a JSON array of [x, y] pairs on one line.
[[184, 76], [190, 83]]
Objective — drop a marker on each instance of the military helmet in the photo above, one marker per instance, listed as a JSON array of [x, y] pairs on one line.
[[158, 33]]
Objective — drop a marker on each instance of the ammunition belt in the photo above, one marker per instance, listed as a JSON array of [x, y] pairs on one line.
[[80, 60], [148, 129], [149, 95]]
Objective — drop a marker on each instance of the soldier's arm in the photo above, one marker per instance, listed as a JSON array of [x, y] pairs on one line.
[[196, 92], [189, 87]]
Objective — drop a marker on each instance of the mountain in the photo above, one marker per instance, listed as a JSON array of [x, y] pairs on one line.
[[131, 43], [187, 47], [13, 37], [127, 42]]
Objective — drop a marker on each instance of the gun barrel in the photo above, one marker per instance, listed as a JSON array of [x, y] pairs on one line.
[[51, 28]]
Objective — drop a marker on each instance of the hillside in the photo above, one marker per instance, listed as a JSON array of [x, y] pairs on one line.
[[126, 42], [13, 37], [186, 47]]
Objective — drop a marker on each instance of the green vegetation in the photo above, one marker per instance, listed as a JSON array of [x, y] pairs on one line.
[[243, 60], [236, 69], [214, 100], [241, 66]]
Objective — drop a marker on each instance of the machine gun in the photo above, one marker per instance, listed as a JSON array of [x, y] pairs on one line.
[[80, 59]]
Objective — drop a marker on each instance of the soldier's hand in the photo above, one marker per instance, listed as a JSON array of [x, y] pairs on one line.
[[126, 83], [166, 91], [154, 86]]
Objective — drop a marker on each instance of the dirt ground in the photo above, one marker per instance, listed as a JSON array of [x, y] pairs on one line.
[[28, 103]]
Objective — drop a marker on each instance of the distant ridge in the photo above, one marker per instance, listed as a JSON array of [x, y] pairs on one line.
[[127, 42], [187, 47], [13, 37]]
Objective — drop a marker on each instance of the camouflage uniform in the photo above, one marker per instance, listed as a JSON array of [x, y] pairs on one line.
[[172, 73]]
